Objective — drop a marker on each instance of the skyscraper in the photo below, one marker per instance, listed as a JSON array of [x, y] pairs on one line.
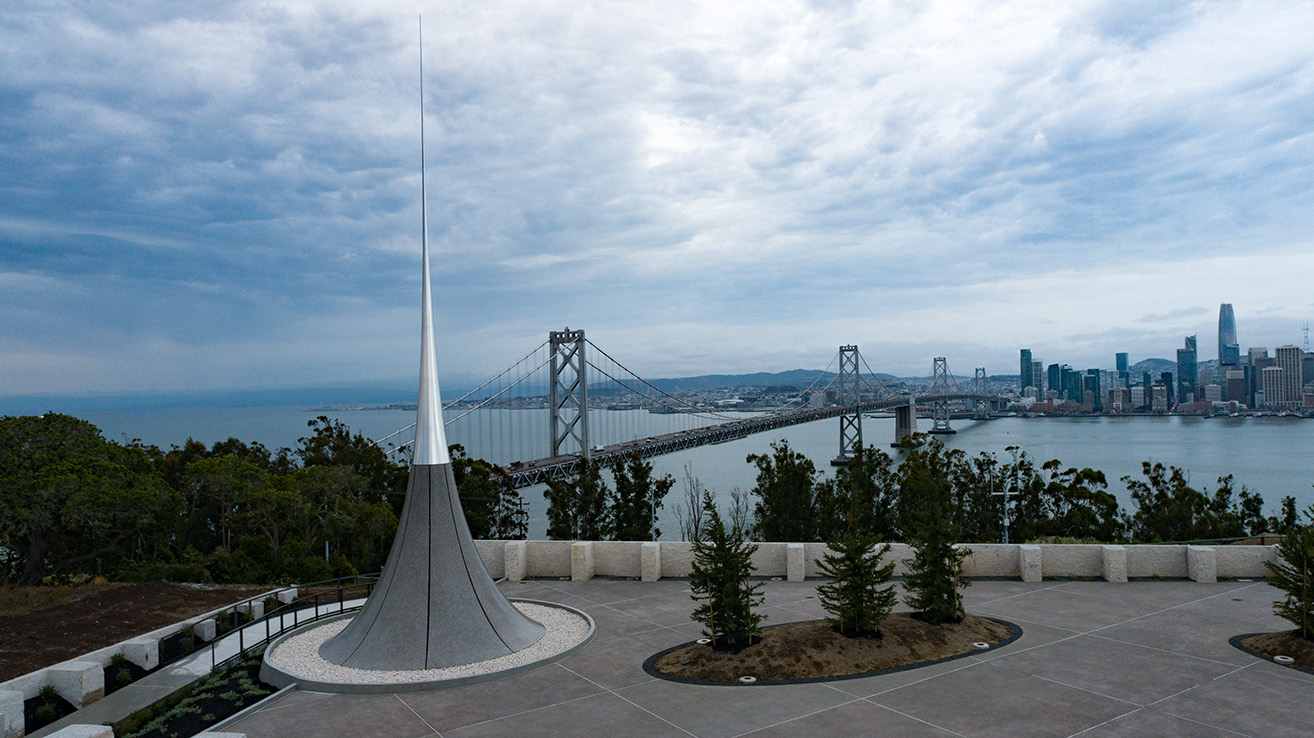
[[1124, 378], [1186, 371], [1024, 378], [1229, 351], [1288, 359]]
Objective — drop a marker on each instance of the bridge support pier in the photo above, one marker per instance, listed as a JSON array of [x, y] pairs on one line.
[[905, 422]]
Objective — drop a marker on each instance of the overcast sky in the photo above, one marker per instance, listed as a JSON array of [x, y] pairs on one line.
[[227, 194]]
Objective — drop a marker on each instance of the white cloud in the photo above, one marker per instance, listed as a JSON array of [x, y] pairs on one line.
[[713, 186]]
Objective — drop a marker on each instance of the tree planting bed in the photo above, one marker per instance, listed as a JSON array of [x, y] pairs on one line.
[[1283, 643], [813, 651]]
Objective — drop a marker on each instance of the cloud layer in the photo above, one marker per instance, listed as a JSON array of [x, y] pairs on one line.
[[228, 195]]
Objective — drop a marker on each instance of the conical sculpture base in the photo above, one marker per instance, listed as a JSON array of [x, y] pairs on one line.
[[435, 604]]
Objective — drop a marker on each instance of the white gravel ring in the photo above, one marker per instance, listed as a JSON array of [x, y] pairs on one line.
[[297, 655]]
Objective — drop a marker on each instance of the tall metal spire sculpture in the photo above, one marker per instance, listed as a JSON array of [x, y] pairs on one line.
[[435, 604]]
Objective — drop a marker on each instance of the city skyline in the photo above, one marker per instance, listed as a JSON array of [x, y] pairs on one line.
[[227, 196]]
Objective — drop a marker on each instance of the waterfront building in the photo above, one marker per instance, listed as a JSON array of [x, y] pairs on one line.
[[1229, 352], [1024, 378], [1038, 376], [1120, 361], [1091, 389], [1288, 358], [1186, 371], [1270, 387], [1137, 395], [1054, 378], [1159, 397], [1236, 386]]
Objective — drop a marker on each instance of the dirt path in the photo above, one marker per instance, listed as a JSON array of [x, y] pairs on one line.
[[117, 612]]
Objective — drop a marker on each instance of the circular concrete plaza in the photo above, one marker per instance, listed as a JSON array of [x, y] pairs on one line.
[[1144, 658]]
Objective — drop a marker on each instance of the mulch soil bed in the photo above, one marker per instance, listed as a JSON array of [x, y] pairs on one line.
[[40, 638], [41, 711], [813, 651], [118, 676], [1284, 643]]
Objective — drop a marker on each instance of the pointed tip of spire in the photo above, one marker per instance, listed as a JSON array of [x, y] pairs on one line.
[[430, 436]]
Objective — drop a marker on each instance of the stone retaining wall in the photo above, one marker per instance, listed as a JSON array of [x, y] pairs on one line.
[[579, 560]]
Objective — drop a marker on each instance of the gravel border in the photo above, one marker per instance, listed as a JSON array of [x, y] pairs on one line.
[[294, 658]]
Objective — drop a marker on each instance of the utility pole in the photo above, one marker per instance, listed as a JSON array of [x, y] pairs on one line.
[[1008, 488]]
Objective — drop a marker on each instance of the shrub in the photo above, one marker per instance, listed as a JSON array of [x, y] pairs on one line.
[[719, 580], [1294, 575]]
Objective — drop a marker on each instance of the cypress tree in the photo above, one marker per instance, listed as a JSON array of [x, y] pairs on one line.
[[785, 489], [720, 582], [636, 499]]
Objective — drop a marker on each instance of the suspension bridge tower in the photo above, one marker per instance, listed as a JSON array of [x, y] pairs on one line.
[[979, 389], [850, 400], [942, 384], [568, 393]]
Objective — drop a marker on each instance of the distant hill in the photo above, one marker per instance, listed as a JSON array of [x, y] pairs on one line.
[[362, 393], [1154, 366], [800, 378]]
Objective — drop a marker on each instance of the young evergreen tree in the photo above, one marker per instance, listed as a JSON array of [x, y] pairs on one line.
[[786, 482], [935, 573], [860, 594], [636, 499], [720, 582], [1294, 575]]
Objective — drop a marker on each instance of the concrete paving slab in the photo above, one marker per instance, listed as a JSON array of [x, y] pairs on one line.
[[1101, 666], [1249, 701], [615, 663], [1064, 610], [721, 712], [857, 718], [985, 701], [1150, 723], [362, 715], [449, 709], [601, 715], [1184, 632]]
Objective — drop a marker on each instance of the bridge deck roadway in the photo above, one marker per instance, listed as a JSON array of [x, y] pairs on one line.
[[564, 467]]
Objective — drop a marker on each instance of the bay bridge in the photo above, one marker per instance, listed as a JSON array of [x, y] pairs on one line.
[[568, 401]]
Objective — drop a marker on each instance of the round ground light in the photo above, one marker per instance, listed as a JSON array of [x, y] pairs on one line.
[[748, 680], [293, 658], [981, 646], [1284, 660]]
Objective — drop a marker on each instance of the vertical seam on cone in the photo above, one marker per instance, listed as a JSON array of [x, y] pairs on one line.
[[466, 565]]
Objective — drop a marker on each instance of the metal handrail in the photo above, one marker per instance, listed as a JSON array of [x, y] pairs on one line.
[[273, 628]]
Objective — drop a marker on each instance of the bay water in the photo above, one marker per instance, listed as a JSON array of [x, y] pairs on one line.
[[1272, 456]]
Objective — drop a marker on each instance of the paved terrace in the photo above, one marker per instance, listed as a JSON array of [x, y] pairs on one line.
[[1146, 658]]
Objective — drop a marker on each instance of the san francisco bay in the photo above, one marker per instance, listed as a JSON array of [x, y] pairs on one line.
[[1268, 455]]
